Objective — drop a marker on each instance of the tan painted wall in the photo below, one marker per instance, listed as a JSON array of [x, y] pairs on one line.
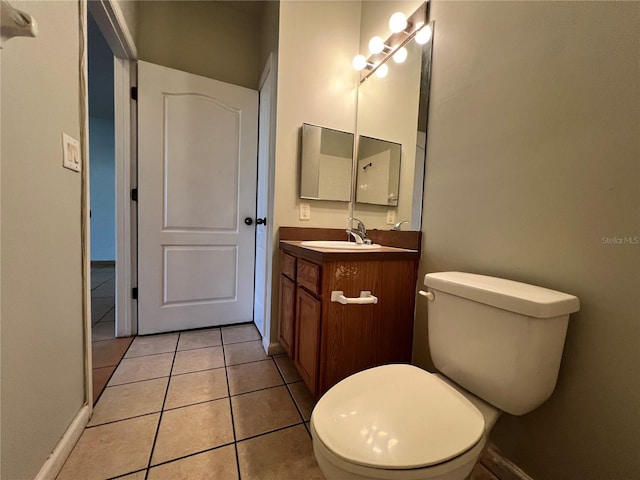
[[269, 32], [42, 341], [317, 85], [208, 38], [533, 162]]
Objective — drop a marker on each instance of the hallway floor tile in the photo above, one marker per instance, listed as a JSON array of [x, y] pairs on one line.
[[187, 413]]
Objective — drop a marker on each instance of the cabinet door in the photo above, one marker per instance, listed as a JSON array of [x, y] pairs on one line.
[[287, 314], [308, 310]]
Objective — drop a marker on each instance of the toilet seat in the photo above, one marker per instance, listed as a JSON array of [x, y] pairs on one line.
[[334, 468], [370, 419]]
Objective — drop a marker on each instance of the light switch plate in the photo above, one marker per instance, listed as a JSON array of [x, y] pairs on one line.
[[391, 217], [305, 211], [70, 153]]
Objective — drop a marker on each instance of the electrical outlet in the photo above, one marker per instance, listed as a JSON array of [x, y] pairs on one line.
[[70, 153], [305, 211], [391, 217]]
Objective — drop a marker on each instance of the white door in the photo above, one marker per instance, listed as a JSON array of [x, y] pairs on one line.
[[197, 149], [264, 136]]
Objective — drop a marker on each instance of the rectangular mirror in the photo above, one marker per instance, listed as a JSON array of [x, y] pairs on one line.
[[326, 163], [378, 177]]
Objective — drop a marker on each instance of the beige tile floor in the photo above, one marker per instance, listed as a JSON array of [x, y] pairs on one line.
[[205, 404]]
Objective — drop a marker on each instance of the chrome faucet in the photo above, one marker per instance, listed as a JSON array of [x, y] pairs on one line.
[[398, 226], [359, 233]]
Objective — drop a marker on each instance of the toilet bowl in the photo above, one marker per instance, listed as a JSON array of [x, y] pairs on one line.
[[497, 345], [365, 427]]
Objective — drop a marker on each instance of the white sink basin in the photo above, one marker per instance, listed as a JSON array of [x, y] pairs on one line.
[[339, 245]]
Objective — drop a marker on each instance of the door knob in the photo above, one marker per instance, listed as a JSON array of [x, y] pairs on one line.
[[248, 221]]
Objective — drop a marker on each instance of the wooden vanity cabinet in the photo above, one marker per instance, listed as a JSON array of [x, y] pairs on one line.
[[286, 331], [328, 341]]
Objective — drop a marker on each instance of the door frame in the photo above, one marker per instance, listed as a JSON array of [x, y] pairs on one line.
[[110, 19], [268, 182]]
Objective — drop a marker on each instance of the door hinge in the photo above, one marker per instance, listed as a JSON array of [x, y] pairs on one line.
[[134, 293], [134, 93], [134, 194]]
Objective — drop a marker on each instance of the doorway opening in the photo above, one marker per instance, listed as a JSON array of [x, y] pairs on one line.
[[102, 184], [106, 349], [110, 245]]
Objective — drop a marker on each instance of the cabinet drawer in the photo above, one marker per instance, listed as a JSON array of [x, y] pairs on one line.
[[309, 276], [288, 265]]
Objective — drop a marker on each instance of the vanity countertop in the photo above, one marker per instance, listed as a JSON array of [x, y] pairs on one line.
[[331, 254]]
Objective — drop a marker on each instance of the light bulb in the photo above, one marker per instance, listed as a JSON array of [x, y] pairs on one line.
[[397, 22], [400, 56], [382, 71], [359, 62], [424, 35], [376, 45]]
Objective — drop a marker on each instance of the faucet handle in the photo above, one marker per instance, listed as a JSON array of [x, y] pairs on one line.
[[356, 236], [398, 226], [360, 225]]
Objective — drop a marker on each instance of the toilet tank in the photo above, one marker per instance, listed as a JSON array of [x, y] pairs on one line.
[[501, 340]]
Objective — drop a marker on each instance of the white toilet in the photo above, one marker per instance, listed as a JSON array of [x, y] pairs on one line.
[[497, 345]]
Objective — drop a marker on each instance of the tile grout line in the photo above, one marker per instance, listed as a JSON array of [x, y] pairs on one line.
[[99, 285], [138, 381], [293, 399], [164, 401], [264, 434], [189, 404], [199, 452], [111, 422], [191, 349], [189, 455], [127, 474], [95, 401], [105, 313], [195, 403], [233, 423]]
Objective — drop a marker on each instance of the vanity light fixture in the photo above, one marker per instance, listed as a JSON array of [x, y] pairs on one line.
[[400, 55], [403, 31], [382, 71], [377, 45], [359, 62], [424, 35], [397, 22]]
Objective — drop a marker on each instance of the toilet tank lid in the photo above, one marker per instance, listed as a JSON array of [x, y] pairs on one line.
[[509, 295]]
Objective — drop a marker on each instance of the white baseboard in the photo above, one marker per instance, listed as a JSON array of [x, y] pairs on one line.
[[54, 463], [274, 348], [502, 467]]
